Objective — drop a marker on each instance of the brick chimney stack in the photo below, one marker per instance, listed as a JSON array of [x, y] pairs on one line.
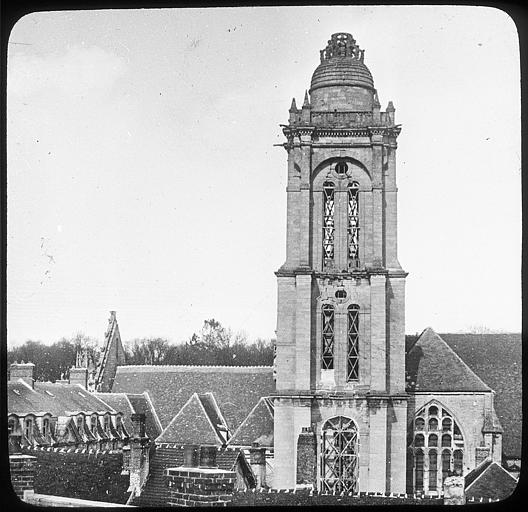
[[24, 371]]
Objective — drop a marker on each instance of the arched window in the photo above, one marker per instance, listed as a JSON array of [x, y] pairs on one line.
[[446, 463], [446, 440], [353, 343], [106, 423], [328, 223], [93, 423], [80, 423], [446, 425], [28, 428], [353, 225], [339, 456], [458, 458], [327, 360], [341, 168], [433, 470], [419, 471], [45, 427], [430, 466], [11, 424]]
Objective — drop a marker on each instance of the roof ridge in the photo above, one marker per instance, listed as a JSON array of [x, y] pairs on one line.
[[190, 366], [453, 352], [153, 410]]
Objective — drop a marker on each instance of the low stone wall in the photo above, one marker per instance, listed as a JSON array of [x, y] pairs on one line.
[[84, 475], [308, 497], [194, 487]]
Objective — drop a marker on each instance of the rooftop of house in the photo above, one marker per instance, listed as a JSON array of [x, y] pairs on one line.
[[257, 427], [236, 389], [489, 480], [432, 365], [55, 399]]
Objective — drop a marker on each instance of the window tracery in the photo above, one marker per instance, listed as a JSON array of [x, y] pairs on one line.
[[353, 225], [327, 362], [339, 455], [353, 343], [436, 448], [328, 223]]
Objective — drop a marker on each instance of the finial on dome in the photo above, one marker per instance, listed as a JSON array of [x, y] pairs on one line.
[[293, 107], [342, 44]]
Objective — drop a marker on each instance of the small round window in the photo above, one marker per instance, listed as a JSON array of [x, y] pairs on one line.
[[341, 168], [340, 294]]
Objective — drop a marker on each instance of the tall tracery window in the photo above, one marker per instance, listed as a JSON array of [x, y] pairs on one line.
[[328, 223], [353, 343], [339, 456], [327, 360], [437, 440], [353, 225]]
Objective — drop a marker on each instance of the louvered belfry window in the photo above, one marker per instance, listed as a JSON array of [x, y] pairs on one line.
[[327, 362], [353, 225], [328, 223], [353, 343]]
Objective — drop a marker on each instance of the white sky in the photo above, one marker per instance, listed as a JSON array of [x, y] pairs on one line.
[[142, 175]]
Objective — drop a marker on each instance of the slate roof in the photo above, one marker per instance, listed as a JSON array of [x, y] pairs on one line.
[[497, 360], [431, 365], [489, 480], [120, 403], [141, 404], [236, 388], [192, 425], [257, 427], [48, 397]]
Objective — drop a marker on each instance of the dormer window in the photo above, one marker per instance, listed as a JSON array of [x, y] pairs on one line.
[[28, 428], [45, 427], [93, 423], [80, 424]]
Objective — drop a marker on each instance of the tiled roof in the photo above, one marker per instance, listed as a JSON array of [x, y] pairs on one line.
[[120, 403], [257, 427], [57, 399], [489, 481], [191, 425], [236, 388], [431, 365], [496, 359], [141, 404]]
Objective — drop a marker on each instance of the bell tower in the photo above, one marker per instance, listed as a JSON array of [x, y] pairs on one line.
[[340, 367]]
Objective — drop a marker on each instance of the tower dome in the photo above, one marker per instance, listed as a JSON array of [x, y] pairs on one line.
[[342, 81]]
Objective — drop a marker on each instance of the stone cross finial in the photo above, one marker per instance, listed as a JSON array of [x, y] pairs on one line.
[[342, 44]]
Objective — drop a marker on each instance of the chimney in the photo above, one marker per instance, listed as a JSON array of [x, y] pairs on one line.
[[138, 420], [208, 457], [24, 371], [79, 376], [257, 460]]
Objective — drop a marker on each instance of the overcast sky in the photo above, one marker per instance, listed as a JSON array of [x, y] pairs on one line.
[[143, 177]]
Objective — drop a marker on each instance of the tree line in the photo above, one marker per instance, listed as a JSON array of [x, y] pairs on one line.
[[212, 345]]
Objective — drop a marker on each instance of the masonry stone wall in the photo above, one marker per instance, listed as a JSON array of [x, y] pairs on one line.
[[90, 476], [22, 469], [195, 487]]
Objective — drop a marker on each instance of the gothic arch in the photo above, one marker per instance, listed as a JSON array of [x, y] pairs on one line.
[[339, 455], [436, 447], [357, 172]]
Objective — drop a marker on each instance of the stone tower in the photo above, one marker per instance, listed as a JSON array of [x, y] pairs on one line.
[[340, 403]]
